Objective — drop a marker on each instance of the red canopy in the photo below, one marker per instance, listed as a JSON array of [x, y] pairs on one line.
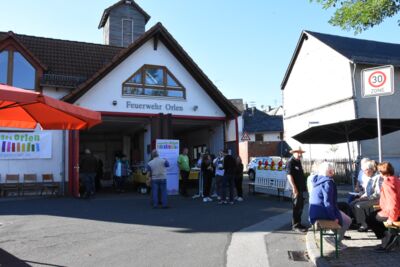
[[21, 108]]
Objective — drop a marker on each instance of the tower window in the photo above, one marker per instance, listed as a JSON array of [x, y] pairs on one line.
[[127, 32], [152, 80]]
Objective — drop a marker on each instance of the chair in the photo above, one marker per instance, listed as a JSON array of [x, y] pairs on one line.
[[30, 183], [11, 184], [48, 184]]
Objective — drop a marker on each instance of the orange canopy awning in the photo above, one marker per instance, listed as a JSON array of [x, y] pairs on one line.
[[21, 108]]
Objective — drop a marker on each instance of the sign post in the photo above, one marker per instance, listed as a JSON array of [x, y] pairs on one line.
[[378, 82]]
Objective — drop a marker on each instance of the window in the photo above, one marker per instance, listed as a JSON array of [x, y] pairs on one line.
[[155, 81], [16, 70], [23, 72], [127, 32], [260, 137], [3, 66]]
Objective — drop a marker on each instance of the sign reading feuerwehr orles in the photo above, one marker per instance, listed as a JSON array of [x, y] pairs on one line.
[[377, 81], [35, 145]]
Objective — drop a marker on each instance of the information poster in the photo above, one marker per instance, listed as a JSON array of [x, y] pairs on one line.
[[169, 150], [33, 145]]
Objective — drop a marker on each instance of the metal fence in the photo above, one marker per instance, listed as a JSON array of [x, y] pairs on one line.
[[342, 169]]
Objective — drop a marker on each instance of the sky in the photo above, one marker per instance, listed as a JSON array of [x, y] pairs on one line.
[[244, 47]]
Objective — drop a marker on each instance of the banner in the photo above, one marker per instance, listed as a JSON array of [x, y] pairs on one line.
[[169, 150], [33, 145]]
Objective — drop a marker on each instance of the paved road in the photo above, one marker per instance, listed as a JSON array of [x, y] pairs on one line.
[[124, 231]]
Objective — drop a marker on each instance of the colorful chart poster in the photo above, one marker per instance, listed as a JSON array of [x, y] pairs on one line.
[[34, 145], [169, 150]]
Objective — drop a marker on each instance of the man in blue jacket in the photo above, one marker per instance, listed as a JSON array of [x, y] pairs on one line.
[[323, 202]]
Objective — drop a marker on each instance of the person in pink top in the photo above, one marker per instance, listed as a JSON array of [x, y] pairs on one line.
[[389, 203]]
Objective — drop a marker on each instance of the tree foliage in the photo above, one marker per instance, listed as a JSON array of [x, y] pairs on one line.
[[360, 15]]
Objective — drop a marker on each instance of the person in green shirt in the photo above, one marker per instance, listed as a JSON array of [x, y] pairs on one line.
[[184, 168]]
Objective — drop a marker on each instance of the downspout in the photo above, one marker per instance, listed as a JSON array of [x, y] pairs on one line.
[[64, 144], [237, 135], [353, 80]]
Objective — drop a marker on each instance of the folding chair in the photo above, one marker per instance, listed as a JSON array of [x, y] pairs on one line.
[[11, 184], [48, 184], [30, 183]]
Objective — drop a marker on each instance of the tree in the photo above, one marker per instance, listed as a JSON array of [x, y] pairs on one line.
[[360, 15]]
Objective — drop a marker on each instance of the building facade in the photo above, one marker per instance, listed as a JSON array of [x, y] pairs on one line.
[[323, 85], [143, 82]]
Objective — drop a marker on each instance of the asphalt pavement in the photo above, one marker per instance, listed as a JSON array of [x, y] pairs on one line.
[[123, 230]]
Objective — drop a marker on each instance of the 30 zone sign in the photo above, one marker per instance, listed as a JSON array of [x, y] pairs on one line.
[[377, 81]]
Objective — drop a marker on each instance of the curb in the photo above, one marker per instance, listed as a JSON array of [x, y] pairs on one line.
[[314, 252]]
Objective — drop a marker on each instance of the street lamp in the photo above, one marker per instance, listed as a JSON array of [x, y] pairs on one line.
[[311, 123]]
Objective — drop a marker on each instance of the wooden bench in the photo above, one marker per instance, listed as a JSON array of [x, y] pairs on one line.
[[324, 226]]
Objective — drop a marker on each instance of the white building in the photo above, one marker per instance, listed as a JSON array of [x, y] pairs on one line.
[[322, 85], [143, 82]]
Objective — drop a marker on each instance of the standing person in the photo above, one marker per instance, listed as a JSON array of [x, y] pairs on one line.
[[157, 169], [323, 202], [207, 170], [121, 172], [184, 168], [239, 179], [87, 169], [219, 172], [389, 203], [297, 180], [229, 178]]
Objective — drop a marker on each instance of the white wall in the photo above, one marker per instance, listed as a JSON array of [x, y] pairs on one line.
[[56, 93], [295, 125], [268, 136], [53, 165], [320, 76], [102, 94]]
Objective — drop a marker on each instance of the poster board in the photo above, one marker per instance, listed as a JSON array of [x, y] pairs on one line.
[[169, 150], [22, 145]]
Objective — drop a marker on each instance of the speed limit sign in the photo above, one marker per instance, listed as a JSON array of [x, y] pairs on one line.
[[377, 81]]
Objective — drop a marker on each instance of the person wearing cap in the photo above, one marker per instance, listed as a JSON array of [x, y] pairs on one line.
[[87, 170], [297, 180]]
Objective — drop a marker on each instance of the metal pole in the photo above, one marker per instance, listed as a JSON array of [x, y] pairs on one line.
[[378, 117], [350, 160]]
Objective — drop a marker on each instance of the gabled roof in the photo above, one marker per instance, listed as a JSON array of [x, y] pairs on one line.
[[160, 34], [11, 36], [356, 50], [256, 121], [68, 63], [107, 11]]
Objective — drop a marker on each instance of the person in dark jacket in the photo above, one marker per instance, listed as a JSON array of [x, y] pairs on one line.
[[323, 202], [87, 169], [297, 180], [228, 179], [239, 179], [207, 169]]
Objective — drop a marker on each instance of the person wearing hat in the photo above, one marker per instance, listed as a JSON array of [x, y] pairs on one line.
[[297, 180]]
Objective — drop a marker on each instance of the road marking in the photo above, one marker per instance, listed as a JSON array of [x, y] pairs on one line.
[[248, 247]]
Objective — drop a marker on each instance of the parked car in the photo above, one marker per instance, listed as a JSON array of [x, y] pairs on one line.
[[251, 167]]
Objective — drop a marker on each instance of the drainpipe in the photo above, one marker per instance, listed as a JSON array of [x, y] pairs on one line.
[[63, 169]]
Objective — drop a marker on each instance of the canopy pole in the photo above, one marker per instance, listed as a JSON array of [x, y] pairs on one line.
[[378, 117], [350, 161]]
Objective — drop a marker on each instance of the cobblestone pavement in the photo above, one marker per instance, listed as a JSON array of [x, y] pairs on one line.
[[359, 252]]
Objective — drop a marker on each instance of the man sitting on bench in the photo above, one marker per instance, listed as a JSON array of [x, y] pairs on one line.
[[323, 202], [389, 212]]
